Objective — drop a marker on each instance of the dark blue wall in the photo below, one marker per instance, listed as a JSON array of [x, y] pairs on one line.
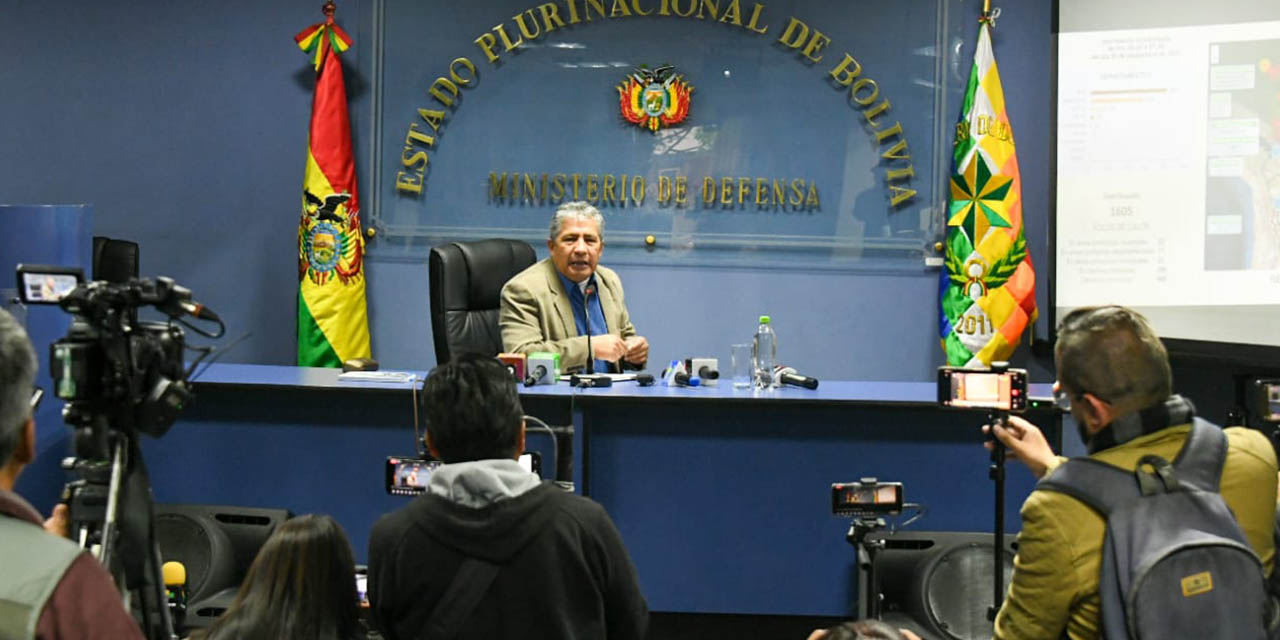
[[184, 124]]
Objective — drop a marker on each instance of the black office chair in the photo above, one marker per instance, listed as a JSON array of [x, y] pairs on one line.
[[466, 282]]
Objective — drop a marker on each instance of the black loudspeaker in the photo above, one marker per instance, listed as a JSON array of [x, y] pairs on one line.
[[216, 544], [941, 580]]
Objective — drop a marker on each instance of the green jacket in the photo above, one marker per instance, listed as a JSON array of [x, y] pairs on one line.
[[1054, 590]]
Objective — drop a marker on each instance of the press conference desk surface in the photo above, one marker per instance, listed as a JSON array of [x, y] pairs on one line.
[[828, 392]]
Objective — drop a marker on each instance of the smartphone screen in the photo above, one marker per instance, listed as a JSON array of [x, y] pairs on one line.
[[409, 476], [1005, 391], [856, 498]]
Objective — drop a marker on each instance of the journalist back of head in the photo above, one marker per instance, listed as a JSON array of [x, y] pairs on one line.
[[490, 551], [49, 588]]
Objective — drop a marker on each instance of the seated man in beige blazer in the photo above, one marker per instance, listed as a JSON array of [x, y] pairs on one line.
[[552, 305]]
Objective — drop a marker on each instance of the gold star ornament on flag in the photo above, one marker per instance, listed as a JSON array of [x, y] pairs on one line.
[[979, 199]]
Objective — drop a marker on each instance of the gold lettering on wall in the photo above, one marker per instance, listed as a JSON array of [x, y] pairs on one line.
[[622, 190], [805, 40]]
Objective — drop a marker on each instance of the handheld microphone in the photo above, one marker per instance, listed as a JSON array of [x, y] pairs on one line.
[[676, 375], [175, 586], [542, 367], [788, 375], [515, 364], [706, 369]]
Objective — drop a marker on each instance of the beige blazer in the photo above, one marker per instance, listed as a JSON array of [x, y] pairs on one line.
[[536, 315]]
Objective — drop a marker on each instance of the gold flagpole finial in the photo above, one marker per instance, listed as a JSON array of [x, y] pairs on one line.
[[329, 7]]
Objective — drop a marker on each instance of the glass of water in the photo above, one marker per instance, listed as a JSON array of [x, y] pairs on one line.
[[740, 356]]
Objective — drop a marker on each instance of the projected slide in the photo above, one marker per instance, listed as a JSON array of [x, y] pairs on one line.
[[1168, 176], [1242, 192]]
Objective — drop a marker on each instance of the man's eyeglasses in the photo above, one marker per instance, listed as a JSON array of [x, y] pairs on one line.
[[37, 394]]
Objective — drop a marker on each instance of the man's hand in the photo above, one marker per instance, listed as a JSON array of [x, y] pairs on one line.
[[1024, 442], [608, 347], [637, 350], [58, 522]]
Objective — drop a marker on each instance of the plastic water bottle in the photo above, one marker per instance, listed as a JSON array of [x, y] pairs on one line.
[[764, 354]]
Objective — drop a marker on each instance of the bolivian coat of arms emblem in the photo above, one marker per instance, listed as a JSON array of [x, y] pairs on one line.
[[654, 98]]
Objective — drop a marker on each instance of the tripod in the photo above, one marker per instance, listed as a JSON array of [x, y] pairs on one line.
[[111, 515], [868, 586], [997, 472]]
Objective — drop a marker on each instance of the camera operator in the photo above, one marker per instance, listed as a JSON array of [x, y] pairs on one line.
[[49, 587], [1115, 373]]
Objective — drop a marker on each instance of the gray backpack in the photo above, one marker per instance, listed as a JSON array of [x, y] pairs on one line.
[[1175, 563]]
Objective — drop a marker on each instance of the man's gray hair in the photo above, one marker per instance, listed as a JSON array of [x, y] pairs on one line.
[[575, 210], [17, 379], [1112, 353]]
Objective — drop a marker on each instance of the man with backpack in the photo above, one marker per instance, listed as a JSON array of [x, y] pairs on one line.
[[1135, 538]]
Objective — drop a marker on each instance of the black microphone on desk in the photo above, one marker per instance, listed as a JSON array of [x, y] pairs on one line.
[[587, 292], [589, 378], [788, 375], [535, 374]]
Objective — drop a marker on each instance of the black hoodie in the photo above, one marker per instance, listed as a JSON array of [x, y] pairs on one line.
[[564, 571]]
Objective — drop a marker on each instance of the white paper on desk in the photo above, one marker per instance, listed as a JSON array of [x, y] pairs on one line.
[[376, 376]]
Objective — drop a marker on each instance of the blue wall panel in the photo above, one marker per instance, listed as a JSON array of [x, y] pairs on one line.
[[58, 234]]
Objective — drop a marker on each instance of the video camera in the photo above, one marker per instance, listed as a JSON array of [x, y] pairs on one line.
[[119, 376], [110, 365]]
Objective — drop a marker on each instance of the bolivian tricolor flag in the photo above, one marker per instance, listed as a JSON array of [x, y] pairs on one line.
[[333, 325], [988, 285]]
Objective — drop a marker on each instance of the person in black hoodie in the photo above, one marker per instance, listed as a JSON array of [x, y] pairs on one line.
[[491, 551]]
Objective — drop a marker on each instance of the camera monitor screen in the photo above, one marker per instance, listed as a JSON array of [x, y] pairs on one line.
[[46, 285], [1006, 391]]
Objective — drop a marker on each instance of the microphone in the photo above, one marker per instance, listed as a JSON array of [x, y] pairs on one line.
[[198, 310], [589, 378], [587, 292], [175, 586], [175, 300], [542, 367], [515, 364], [676, 375], [706, 369], [788, 375]]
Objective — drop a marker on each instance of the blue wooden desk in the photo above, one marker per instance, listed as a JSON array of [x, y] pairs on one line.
[[722, 495]]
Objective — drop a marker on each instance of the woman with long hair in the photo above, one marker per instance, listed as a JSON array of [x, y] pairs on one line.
[[300, 586]]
